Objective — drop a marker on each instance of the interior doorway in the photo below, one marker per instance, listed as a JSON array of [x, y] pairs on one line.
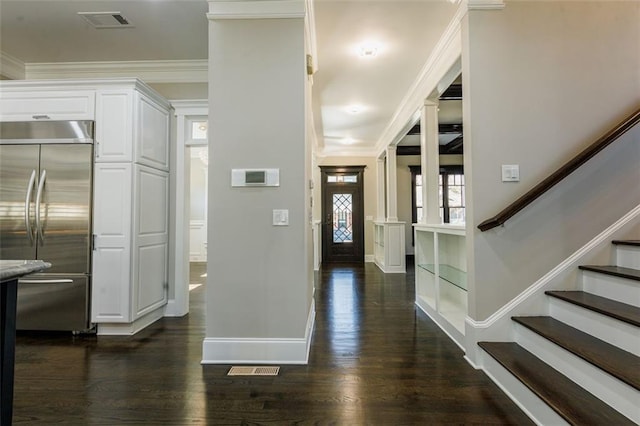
[[191, 155], [342, 214]]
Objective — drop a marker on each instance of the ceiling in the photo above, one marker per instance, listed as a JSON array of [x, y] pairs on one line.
[[404, 32]]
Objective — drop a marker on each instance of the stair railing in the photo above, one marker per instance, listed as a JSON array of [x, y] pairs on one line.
[[564, 171]]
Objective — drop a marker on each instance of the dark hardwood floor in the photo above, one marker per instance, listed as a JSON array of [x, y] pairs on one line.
[[375, 360]]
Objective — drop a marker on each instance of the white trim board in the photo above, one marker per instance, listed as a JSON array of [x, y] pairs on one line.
[[179, 71], [265, 9], [260, 351]]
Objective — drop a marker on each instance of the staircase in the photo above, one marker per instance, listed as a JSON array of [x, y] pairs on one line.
[[580, 365]]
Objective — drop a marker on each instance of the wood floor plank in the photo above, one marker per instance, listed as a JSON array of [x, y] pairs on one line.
[[375, 360], [573, 403], [611, 308], [623, 365]]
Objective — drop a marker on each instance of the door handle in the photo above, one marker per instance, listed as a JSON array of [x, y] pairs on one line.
[[58, 281], [27, 207], [43, 178]]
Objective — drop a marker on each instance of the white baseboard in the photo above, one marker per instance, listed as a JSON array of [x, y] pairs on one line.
[[260, 351], [131, 328], [171, 310]]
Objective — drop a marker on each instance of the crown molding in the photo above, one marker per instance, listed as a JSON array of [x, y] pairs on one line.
[[11, 67], [189, 71], [264, 9], [185, 107], [485, 4]]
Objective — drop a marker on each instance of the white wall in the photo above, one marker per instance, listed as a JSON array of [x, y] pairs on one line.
[[541, 81], [198, 206]]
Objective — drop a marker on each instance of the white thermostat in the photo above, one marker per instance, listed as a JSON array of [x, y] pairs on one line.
[[255, 177]]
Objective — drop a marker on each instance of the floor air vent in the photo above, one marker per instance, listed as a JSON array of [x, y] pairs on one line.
[[253, 371]]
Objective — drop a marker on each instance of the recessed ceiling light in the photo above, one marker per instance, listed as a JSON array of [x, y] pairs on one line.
[[368, 49], [355, 108]]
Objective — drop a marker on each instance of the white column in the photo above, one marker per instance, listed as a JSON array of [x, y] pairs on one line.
[[263, 313], [381, 190], [392, 186], [429, 159]]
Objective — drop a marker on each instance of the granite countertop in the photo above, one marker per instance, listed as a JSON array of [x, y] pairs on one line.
[[10, 269]]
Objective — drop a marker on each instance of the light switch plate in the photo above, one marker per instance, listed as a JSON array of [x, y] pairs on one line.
[[280, 217], [510, 173]]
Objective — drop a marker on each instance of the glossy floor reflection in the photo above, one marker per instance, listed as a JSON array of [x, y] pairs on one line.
[[374, 360]]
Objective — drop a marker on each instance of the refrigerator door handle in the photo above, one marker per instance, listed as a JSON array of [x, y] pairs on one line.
[[59, 281], [43, 177], [27, 207]]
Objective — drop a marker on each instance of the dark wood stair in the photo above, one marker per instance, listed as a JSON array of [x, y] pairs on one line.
[[616, 271], [635, 243], [570, 401], [611, 308], [620, 364]]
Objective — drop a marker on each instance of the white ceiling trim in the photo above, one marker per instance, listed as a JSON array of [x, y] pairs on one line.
[[445, 54], [256, 9], [188, 71], [485, 4], [185, 107], [11, 67]]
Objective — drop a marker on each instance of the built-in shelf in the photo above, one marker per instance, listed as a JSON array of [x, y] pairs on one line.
[[449, 273], [441, 277], [389, 250]]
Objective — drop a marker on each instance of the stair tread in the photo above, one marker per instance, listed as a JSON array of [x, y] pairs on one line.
[[627, 242], [570, 401], [618, 271], [621, 364], [614, 309]]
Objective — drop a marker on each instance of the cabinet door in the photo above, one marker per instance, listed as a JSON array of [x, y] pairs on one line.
[[111, 284], [114, 125], [151, 240], [47, 105], [152, 133]]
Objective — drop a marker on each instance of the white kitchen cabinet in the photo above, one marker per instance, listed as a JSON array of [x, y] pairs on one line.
[[131, 126], [112, 220], [26, 104], [114, 125], [130, 188]]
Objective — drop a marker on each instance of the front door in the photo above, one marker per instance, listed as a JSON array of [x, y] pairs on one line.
[[343, 214]]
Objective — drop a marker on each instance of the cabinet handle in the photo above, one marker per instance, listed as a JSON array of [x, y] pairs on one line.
[[97, 148], [41, 117]]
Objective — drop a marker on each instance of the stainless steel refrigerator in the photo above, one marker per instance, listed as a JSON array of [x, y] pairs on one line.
[[46, 173]]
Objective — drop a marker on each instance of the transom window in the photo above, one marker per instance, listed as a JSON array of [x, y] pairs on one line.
[[342, 178]]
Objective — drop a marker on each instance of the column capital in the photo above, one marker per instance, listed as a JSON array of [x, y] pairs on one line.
[[266, 9], [431, 102], [392, 148]]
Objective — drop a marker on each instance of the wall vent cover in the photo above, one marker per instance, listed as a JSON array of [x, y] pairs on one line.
[[253, 371], [106, 19]]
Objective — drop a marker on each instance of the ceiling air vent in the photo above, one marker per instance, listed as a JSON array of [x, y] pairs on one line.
[[106, 19]]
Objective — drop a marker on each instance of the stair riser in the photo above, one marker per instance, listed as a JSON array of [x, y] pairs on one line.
[[610, 390], [618, 333], [628, 256], [615, 288], [533, 406]]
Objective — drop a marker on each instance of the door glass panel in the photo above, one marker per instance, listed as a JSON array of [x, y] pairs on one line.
[[342, 218]]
